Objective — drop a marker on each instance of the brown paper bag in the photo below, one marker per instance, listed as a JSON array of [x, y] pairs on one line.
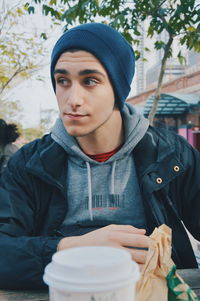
[[159, 279]]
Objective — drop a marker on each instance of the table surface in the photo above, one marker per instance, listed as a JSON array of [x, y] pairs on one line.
[[191, 276]]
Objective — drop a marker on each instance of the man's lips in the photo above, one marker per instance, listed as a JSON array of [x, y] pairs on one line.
[[74, 116]]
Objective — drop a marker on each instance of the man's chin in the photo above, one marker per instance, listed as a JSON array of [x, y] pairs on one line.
[[75, 133]]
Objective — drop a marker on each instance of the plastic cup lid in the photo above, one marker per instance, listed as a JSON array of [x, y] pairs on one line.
[[91, 268]]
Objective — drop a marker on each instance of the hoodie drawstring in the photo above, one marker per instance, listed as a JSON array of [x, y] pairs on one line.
[[113, 178], [89, 190]]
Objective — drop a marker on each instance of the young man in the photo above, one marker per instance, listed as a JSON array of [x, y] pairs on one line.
[[103, 176]]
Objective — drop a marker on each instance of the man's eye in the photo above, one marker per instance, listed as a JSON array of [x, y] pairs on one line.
[[62, 81], [90, 81]]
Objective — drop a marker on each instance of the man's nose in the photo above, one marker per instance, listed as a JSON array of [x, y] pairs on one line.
[[75, 96]]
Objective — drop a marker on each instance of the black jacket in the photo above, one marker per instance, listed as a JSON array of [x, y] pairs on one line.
[[33, 202]]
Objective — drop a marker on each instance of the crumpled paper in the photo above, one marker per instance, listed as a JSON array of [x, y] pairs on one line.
[[159, 279]]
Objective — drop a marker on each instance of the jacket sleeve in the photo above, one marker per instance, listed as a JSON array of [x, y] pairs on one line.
[[23, 254], [188, 187]]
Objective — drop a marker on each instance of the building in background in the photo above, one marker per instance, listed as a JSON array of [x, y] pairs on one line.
[[179, 106], [178, 112]]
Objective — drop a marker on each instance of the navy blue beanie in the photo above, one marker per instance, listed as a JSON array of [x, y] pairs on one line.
[[108, 46]]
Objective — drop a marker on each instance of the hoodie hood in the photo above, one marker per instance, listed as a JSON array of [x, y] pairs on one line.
[[135, 127]]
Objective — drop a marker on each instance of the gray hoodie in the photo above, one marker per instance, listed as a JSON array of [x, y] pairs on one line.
[[103, 193]]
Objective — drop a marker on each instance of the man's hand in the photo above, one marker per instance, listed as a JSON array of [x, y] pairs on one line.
[[119, 236]]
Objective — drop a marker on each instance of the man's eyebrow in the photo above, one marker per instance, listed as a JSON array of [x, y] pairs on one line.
[[82, 72], [61, 71], [90, 71]]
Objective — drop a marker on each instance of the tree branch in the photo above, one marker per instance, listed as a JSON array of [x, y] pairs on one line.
[[160, 79], [19, 70]]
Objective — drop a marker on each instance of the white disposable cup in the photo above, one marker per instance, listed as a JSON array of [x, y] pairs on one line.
[[92, 274]]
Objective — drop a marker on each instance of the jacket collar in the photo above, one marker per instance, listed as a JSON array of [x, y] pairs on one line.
[[152, 148], [156, 160], [48, 162]]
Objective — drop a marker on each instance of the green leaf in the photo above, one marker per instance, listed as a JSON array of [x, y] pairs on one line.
[[24, 74], [31, 10], [26, 5], [137, 54], [181, 58], [150, 32], [53, 2], [191, 29], [159, 45], [128, 36], [70, 14], [19, 12], [43, 35], [136, 41]]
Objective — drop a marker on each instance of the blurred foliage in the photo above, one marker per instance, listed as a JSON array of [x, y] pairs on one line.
[[21, 53], [32, 133], [47, 117], [10, 110], [177, 17]]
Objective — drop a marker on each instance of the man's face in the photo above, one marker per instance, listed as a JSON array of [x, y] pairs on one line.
[[84, 93]]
